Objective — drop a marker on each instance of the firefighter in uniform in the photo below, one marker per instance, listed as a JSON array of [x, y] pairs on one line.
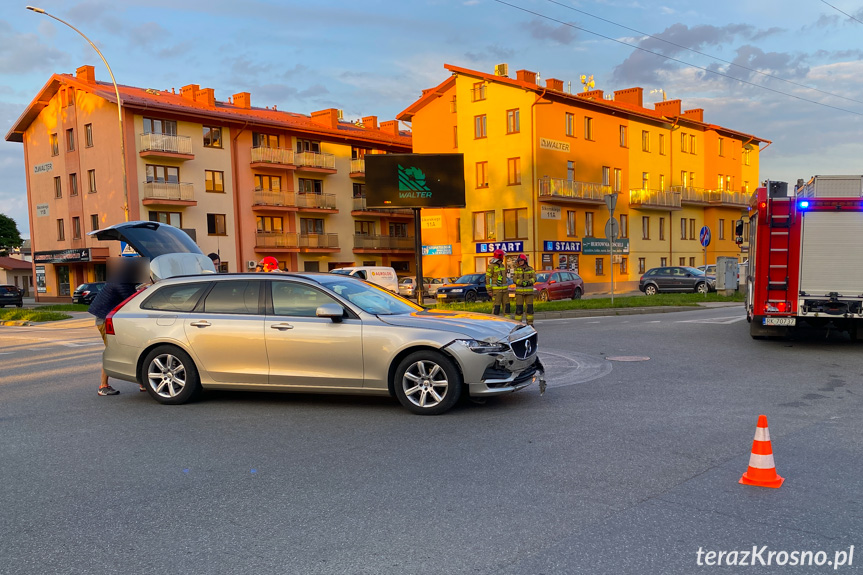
[[524, 277], [496, 281]]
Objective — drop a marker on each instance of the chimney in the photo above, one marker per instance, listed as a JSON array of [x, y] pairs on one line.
[[591, 95], [188, 92], [390, 127], [526, 76], [696, 114], [668, 108], [554, 84], [243, 100], [206, 96], [370, 122], [328, 118], [86, 74], [630, 96]]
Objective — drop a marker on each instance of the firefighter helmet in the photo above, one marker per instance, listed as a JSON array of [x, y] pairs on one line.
[[498, 253]]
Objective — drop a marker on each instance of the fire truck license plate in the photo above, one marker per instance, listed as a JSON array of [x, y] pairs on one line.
[[789, 321]]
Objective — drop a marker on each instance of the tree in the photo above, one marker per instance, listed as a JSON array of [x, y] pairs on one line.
[[10, 237]]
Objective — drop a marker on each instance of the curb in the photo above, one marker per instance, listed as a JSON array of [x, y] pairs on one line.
[[15, 322], [612, 311]]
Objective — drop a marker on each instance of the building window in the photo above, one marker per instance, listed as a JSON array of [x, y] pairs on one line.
[[624, 226], [260, 140], [359, 190], [683, 261], [692, 262], [268, 183], [617, 179], [729, 183], [458, 229], [720, 183], [662, 182], [692, 229], [483, 226], [302, 145], [73, 184], [662, 229], [661, 144], [94, 222], [269, 224], [692, 179], [721, 146], [88, 135], [216, 225], [684, 178], [746, 187], [55, 145], [570, 224], [364, 228], [171, 218], [308, 186], [212, 137], [642, 265], [478, 91], [311, 226], [70, 140], [721, 227], [570, 124], [645, 227], [623, 136], [645, 141], [570, 170], [515, 224], [156, 126], [513, 171], [588, 224], [70, 97], [623, 266], [482, 174], [682, 228], [600, 268], [214, 181], [684, 143], [58, 187], [479, 126], [645, 180], [745, 157], [606, 176], [452, 105], [163, 174], [692, 144], [513, 122], [76, 228], [455, 136], [398, 230], [588, 128], [61, 231], [91, 181], [663, 262]]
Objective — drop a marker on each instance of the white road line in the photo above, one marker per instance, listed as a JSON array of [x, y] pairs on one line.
[[715, 320], [655, 321]]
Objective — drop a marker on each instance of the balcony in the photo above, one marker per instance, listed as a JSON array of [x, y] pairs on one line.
[[315, 162], [558, 190], [319, 243], [316, 202], [371, 243], [726, 198], [360, 209], [273, 158], [358, 168], [274, 201], [277, 241], [690, 195], [654, 200], [166, 146], [168, 194]]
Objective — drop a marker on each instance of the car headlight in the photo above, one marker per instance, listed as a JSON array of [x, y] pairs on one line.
[[477, 346], [459, 290]]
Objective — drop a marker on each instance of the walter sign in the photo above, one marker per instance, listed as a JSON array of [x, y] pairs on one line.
[[415, 180]]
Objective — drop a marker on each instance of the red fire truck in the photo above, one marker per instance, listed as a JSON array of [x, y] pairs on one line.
[[805, 256]]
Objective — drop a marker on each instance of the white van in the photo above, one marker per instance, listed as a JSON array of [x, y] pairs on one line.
[[378, 275]]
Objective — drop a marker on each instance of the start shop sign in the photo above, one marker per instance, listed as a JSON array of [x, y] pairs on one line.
[[508, 247], [561, 246]]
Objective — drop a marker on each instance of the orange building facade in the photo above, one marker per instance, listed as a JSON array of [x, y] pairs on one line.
[[539, 162], [244, 182]]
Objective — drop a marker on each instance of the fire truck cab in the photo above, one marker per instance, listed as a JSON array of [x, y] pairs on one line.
[[806, 257]]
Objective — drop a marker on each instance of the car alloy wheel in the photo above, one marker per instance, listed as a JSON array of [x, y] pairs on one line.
[[170, 376], [577, 293], [470, 296], [650, 290], [701, 287], [427, 383], [543, 295]]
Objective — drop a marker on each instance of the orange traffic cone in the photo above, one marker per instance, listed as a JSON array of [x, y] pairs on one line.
[[762, 470]]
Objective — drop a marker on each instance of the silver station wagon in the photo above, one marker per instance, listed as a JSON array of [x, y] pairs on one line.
[[304, 332]]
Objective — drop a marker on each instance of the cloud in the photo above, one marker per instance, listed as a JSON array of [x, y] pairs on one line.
[[25, 53], [492, 52], [562, 34]]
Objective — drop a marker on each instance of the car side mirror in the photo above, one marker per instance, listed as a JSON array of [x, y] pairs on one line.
[[552, 282], [331, 310]]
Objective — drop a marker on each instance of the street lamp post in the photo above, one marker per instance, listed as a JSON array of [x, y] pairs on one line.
[[119, 106]]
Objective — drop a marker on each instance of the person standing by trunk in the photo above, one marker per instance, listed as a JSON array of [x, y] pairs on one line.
[[525, 277], [496, 281]]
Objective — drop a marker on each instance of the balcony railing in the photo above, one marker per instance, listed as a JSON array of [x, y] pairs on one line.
[[319, 240], [277, 240], [360, 206], [383, 242], [166, 143], [688, 194], [571, 190], [654, 199], [358, 166], [168, 191], [318, 201], [274, 198], [273, 156], [315, 160], [726, 197]]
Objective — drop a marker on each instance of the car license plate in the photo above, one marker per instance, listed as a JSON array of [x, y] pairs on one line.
[[787, 321]]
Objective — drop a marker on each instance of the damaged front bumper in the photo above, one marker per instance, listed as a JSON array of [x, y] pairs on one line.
[[497, 381]]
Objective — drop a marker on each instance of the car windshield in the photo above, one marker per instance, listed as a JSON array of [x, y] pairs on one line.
[[369, 297], [341, 271], [694, 271], [541, 277], [468, 279]]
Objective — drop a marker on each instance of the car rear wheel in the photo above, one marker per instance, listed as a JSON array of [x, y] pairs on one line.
[[543, 295], [576, 293], [701, 287], [650, 289], [470, 297], [170, 375], [427, 383]]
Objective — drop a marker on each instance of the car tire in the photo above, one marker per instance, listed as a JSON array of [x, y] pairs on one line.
[[576, 293], [170, 375], [427, 383], [650, 289], [701, 287], [470, 297], [543, 295]]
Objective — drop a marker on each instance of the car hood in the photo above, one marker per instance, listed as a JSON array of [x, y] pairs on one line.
[[476, 325]]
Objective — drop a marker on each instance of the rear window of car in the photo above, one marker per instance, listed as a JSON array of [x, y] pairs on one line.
[[240, 297], [182, 297], [4, 289]]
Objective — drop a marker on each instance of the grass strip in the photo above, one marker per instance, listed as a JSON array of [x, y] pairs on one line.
[[658, 300], [21, 314]]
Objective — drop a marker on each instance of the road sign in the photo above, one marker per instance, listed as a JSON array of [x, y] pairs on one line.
[[128, 251], [611, 201], [705, 236], [612, 229]]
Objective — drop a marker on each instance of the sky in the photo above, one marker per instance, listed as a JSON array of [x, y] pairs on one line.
[[789, 71]]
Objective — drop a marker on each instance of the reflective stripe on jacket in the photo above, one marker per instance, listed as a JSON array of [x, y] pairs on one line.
[[524, 278], [495, 277]]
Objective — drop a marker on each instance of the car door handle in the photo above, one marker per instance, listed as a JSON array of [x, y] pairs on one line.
[[201, 323], [281, 326]]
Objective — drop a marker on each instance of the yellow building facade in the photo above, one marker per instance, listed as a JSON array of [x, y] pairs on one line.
[[539, 163]]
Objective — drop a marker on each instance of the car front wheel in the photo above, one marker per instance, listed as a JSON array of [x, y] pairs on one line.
[[543, 295], [470, 297], [576, 294], [650, 290], [427, 383], [170, 376], [701, 287]]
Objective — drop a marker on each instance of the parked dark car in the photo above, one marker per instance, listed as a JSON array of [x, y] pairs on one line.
[[86, 293], [11, 295], [555, 284], [676, 279], [468, 288]]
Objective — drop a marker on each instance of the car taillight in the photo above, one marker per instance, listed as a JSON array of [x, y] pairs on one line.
[[85, 294], [109, 319]]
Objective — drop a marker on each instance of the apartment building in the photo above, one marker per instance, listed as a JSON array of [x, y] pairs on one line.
[[540, 160], [243, 181]]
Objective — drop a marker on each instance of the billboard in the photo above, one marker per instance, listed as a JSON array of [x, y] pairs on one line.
[[415, 180]]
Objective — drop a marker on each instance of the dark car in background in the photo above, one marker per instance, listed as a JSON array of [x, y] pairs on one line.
[[676, 279], [467, 288], [86, 292], [11, 295], [556, 284]]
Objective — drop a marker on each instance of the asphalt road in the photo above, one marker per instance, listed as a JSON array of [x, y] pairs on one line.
[[621, 467]]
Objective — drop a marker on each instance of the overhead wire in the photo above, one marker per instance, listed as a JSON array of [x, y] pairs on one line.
[[679, 61], [846, 13]]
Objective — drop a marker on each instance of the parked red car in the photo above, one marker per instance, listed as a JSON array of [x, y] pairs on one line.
[[555, 284]]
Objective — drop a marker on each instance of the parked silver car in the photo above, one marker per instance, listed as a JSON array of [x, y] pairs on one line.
[[308, 332]]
